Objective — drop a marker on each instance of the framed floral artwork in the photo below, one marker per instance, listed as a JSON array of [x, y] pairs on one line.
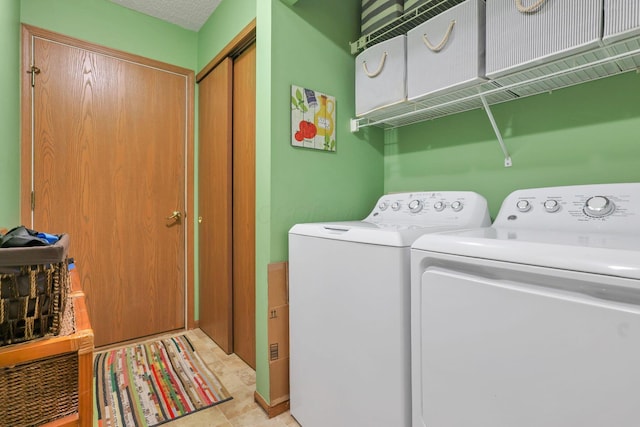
[[313, 119]]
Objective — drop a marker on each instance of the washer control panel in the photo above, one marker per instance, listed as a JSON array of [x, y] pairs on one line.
[[597, 207], [462, 208]]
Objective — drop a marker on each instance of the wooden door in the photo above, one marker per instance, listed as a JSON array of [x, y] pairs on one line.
[[244, 206], [215, 204], [227, 204], [109, 142]]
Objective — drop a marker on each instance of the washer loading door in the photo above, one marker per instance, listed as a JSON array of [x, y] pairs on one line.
[[512, 351]]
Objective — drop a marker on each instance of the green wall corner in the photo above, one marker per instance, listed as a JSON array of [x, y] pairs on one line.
[[109, 24], [10, 113], [228, 19], [307, 46]]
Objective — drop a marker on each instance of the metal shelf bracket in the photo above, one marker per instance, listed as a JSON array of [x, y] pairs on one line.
[[507, 157]]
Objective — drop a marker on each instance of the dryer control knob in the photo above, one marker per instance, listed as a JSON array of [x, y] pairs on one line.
[[439, 206], [456, 206], [415, 206], [395, 206], [523, 205], [383, 206], [598, 207], [551, 206]]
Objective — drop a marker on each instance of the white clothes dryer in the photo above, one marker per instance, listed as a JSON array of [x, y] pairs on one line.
[[349, 311], [534, 321]]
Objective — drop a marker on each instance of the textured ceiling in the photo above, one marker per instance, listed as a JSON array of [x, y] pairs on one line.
[[189, 14]]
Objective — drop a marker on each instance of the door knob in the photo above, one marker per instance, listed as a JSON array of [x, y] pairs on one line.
[[175, 215]]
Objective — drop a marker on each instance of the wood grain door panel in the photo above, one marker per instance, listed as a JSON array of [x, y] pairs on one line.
[[244, 196], [108, 168], [215, 204]]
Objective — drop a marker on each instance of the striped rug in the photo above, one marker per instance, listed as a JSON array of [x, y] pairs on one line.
[[153, 383]]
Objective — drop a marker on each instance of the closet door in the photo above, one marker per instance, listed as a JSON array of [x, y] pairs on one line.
[[108, 168], [244, 205], [227, 204], [215, 204]]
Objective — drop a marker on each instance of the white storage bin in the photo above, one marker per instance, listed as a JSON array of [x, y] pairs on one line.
[[446, 52], [521, 33], [621, 19], [381, 75], [377, 13]]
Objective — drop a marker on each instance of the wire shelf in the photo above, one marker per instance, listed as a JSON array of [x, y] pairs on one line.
[[595, 64]]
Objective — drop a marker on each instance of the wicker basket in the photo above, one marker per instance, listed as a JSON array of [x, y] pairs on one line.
[[34, 285], [38, 392]]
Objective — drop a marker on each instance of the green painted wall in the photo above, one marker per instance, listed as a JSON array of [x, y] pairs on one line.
[[229, 18], [111, 25], [10, 113], [312, 51], [309, 47], [583, 134], [305, 44]]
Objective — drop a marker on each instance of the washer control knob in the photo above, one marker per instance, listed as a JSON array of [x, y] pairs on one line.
[[383, 205], [523, 205], [439, 206], [415, 206], [395, 206], [598, 207], [456, 206], [551, 205]]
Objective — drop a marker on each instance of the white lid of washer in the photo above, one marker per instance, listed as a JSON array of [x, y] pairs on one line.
[[397, 235]]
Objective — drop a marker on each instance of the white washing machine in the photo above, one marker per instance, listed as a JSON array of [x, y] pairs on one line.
[[349, 286], [534, 321]]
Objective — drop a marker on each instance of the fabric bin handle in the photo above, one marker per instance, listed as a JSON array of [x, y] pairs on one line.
[[531, 9], [443, 42], [376, 72]]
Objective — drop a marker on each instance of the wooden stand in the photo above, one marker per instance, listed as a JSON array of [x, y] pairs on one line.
[[80, 343]]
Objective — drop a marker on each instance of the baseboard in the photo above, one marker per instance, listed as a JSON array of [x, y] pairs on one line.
[[272, 411]]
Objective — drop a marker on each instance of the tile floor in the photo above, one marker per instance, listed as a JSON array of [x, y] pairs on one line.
[[240, 381]]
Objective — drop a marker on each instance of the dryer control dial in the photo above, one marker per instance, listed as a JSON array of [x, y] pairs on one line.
[[523, 205], [415, 206], [456, 206], [598, 207], [551, 205], [439, 206], [383, 205], [395, 206]]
